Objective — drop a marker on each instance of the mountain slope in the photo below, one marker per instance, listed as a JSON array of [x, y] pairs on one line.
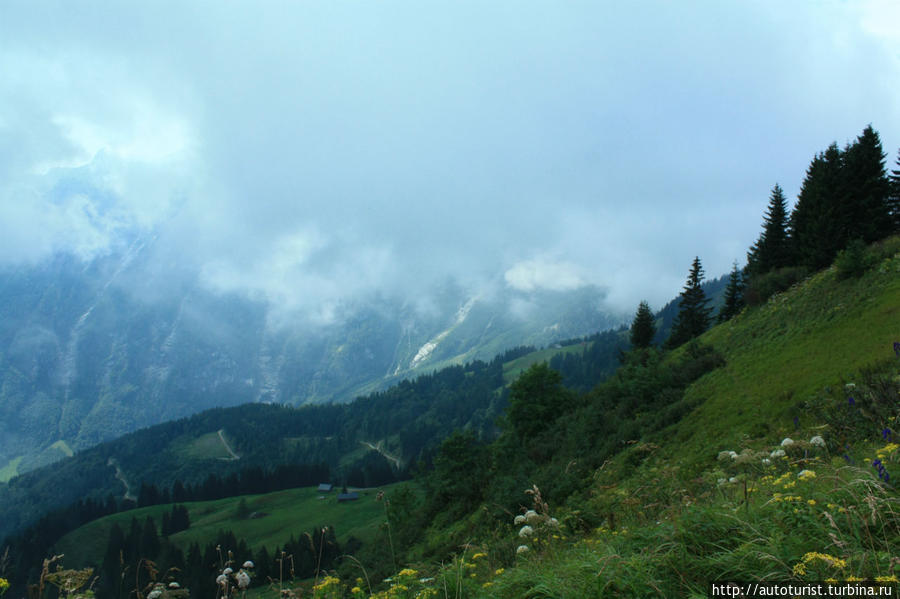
[[92, 350]]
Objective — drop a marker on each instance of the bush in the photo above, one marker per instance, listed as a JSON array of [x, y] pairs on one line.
[[854, 261], [762, 287]]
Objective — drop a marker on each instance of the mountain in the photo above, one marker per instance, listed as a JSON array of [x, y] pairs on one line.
[[90, 350]]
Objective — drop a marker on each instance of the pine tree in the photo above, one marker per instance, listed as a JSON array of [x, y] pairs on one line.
[[814, 228], [734, 295], [693, 315], [772, 250], [864, 210], [642, 327]]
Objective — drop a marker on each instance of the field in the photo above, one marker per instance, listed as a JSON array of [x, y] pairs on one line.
[[279, 516]]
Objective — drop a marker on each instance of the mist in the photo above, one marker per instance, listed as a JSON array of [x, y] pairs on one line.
[[309, 157]]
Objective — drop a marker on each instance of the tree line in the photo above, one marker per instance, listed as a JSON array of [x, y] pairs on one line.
[[847, 200]]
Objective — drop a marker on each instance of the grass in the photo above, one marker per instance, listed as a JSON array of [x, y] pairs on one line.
[[287, 513], [782, 354], [208, 446]]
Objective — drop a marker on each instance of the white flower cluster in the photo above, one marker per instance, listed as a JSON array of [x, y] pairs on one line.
[[230, 580], [818, 441], [531, 520]]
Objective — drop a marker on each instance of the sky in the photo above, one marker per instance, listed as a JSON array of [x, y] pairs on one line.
[[311, 153]]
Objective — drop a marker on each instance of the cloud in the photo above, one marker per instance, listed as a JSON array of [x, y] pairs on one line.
[[311, 155], [543, 274]]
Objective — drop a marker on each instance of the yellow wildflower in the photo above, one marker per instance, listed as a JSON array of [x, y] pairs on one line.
[[479, 556], [811, 501], [891, 578], [407, 572]]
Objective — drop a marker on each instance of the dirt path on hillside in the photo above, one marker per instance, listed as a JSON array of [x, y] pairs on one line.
[[234, 456], [380, 450], [128, 496]]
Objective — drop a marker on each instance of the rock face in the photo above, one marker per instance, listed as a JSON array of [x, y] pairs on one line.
[[90, 351]]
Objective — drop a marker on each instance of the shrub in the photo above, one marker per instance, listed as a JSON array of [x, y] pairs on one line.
[[854, 261], [762, 287]]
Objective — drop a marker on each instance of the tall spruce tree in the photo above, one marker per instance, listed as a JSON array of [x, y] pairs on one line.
[[864, 209], [772, 250], [813, 225], [734, 295], [693, 314], [642, 327]]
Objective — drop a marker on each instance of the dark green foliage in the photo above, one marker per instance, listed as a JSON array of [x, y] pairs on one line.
[[456, 483], [642, 327], [772, 249], [865, 194], [536, 399], [597, 360], [734, 295], [693, 313], [854, 261], [815, 230], [762, 287], [846, 195]]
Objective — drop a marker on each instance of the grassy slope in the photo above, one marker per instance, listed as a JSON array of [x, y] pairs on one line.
[[289, 512], [778, 355]]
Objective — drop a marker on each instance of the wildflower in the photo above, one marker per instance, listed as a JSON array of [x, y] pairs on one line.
[[520, 519], [249, 564], [818, 441], [227, 571], [553, 522], [811, 501], [526, 531], [531, 516], [851, 401], [174, 585], [897, 348], [522, 549], [499, 571], [154, 594], [787, 442], [766, 461], [243, 579], [721, 481], [850, 386], [778, 453], [221, 579], [479, 556], [733, 479], [407, 572], [886, 434], [806, 474]]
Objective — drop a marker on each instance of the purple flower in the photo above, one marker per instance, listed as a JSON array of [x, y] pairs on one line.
[[897, 348], [796, 423], [886, 434], [848, 459], [851, 401]]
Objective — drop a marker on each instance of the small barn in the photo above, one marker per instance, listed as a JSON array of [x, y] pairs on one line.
[[352, 496], [325, 488]]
